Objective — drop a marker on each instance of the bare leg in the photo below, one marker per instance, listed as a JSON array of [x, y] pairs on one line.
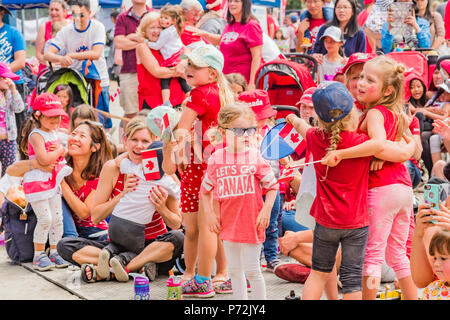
[[165, 95], [190, 244], [370, 287], [156, 252], [221, 261], [207, 245]]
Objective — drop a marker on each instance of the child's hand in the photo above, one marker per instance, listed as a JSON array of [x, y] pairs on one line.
[[376, 164], [288, 206], [11, 85], [263, 219], [332, 158], [158, 197], [442, 128]]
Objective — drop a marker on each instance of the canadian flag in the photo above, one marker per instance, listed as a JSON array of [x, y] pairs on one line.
[[114, 96], [292, 138], [164, 123], [287, 175], [150, 165]]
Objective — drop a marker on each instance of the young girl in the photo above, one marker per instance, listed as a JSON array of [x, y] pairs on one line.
[[281, 41], [440, 252], [210, 93], [10, 103], [380, 88], [42, 189], [170, 45], [80, 113], [65, 94], [237, 82], [238, 176], [333, 39], [339, 221]]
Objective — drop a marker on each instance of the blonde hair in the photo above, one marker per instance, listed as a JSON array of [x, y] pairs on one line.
[[175, 12], [138, 123], [238, 79], [336, 127], [392, 74], [146, 20], [228, 114]]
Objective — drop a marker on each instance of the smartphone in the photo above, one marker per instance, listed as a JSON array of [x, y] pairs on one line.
[[406, 107], [432, 196]]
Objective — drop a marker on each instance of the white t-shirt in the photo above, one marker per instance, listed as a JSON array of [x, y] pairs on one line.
[[270, 50], [135, 205], [71, 39], [168, 43], [7, 182]]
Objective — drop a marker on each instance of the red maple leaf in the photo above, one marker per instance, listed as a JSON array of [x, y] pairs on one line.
[[294, 138], [150, 165]]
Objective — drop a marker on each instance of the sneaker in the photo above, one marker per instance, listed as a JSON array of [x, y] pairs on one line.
[[292, 272], [42, 263], [272, 264], [103, 264], [225, 287], [150, 270], [192, 288], [118, 269], [58, 261]]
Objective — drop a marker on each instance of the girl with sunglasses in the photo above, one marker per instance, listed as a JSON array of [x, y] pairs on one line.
[[236, 178]]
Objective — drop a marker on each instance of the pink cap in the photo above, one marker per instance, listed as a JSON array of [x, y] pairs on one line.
[[5, 72], [259, 102], [357, 57], [49, 105], [307, 96]]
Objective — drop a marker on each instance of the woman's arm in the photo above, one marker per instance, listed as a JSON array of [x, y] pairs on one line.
[[439, 33], [19, 168], [256, 62], [213, 38], [40, 43], [80, 208], [145, 57]]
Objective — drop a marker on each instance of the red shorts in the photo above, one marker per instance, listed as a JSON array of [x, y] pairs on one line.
[[191, 181]]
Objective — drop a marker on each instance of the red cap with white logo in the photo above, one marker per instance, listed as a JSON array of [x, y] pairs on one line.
[[259, 101]]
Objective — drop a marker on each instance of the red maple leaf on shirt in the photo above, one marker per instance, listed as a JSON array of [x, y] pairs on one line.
[[150, 165], [294, 138]]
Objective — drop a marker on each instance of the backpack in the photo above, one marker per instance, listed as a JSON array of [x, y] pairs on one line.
[[18, 224]]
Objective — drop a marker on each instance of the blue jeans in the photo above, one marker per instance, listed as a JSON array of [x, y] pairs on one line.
[[270, 245], [414, 172], [70, 230], [288, 222]]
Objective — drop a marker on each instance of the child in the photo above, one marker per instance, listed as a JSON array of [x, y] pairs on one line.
[[259, 102], [281, 41], [170, 45], [210, 93], [333, 39], [391, 198], [339, 220], [80, 113], [237, 82], [65, 94], [10, 103], [42, 189], [440, 252], [238, 176]]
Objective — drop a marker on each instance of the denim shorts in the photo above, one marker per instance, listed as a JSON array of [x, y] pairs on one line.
[[353, 246]]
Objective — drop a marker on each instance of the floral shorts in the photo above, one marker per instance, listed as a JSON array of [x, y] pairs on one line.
[[191, 181]]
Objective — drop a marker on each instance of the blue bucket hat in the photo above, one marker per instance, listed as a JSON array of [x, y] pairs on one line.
[[329, 96]]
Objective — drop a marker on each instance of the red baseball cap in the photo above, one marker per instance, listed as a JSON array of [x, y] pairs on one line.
[[307, 96], [49, 105], [5, 72], [259, 101], [357, 57]]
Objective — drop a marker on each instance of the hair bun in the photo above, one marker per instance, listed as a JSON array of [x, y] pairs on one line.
[[399, 68]]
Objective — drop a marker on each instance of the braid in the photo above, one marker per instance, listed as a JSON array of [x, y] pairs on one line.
[[335, 137]]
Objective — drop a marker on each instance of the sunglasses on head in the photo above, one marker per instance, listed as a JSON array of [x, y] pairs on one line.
[[239, 132]]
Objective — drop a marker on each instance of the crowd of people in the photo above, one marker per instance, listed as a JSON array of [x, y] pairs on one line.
[[214, 199]]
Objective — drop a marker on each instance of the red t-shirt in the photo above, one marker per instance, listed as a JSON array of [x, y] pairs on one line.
[[153, 229], [314, 26], [391, 172], [149, 87], [237, 181], [235, 44], [206, 102], [341, 200], [82, 194], [271, 22], [414, 127], [187, 37]]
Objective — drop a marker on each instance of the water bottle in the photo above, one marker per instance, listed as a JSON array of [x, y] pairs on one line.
[[174, 290], [141, 288]]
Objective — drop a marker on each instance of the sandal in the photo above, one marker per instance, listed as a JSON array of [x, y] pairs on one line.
[[93, 277]]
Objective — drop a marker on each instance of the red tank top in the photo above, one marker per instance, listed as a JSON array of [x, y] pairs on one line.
[[149, 87], [391, 172], [155, 227]]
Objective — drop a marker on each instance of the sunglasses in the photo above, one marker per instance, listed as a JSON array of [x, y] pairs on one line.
[[239, 132]]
